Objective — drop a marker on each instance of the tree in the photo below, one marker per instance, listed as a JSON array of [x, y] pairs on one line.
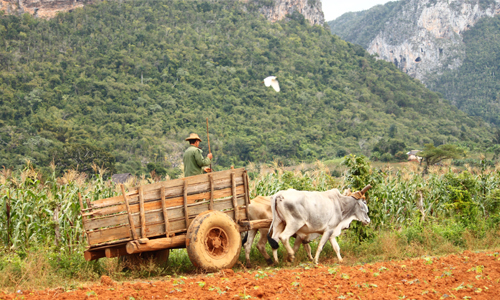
[[433, 155], [82, 157]]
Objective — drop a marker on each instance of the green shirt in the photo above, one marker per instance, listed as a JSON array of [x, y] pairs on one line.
[[194, 161]]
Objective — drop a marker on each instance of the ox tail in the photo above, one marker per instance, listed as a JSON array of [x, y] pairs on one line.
[[245, 238], [276, 219]]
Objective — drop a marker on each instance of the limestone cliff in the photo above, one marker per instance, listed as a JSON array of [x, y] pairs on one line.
[[277, 9], [40, 8], [273, 10], [423, 36]]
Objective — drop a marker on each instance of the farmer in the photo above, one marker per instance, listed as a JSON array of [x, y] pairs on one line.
[[193, 158]]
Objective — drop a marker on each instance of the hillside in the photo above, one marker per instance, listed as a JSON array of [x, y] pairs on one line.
[[475, 86], [129, 80], [433, 42]]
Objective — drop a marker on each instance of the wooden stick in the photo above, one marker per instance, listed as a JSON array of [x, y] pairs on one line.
[[235, 201], [211, 206], [208, 139], [130, 219], [143, 213], [185, 204], [209, 151], [165, 214], [247, 198]]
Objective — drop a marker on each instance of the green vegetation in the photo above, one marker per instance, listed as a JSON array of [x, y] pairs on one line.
[[474, 87], [41, 241], [124, 82]]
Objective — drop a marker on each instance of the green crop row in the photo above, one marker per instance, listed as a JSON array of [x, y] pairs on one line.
[[36, 212]]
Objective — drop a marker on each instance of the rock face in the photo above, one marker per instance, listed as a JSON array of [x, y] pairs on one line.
[[278, 9], [424, 36], [273, 10], [40, 8]]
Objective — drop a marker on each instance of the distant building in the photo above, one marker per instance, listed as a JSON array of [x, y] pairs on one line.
[[412, 156], [120, 178]]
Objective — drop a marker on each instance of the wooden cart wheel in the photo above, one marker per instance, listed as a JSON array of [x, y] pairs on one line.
[[213, 241]]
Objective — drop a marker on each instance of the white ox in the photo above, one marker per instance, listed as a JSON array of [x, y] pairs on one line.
[[260, 208], [304, 213]]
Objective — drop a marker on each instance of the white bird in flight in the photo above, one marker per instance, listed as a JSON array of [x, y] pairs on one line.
[[272, 81]]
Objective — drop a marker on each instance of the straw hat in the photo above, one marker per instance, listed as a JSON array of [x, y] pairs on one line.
[[193, 136]]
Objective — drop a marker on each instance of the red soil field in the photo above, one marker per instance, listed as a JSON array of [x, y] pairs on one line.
[[468, 275]]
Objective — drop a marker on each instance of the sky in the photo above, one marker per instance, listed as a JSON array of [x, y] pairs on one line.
[[335, 8]]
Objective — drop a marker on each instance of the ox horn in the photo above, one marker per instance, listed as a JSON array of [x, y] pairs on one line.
[[365, 189]]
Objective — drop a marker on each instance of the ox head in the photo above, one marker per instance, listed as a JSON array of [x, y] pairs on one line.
[[361, 209]]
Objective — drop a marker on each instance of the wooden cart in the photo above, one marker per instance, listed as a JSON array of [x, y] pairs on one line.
[[203, 213]]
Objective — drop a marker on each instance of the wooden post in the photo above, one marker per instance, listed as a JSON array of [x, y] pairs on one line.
[[142, 213], [130, 219], [89, 206], [185, 203], [235, 201], [115, 251], [247, 198], [165, 213], [211, 205], [92, 255], [83, 217]]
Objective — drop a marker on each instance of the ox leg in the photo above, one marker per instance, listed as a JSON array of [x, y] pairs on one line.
[[277, 230], [290, 230], [248, 245], [296, 244], [335, 246], [302, 240], [307, 247], [322, 242], [261, 245]]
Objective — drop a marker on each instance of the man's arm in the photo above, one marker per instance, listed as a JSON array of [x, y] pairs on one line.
[[202, 161]]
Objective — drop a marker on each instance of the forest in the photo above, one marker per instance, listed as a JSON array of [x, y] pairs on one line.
[[120, 84]]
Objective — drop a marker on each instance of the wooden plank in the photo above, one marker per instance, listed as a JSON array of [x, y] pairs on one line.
[[211, 179], [131, 223], [186, 213], [156, 226], [172, 212], [156, 204], [165, 213], [247, 197], [142, 213], [111, 201], [235, 200], [173, 188]]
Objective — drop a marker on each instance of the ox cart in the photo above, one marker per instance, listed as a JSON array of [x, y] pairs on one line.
[[203, 213]]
